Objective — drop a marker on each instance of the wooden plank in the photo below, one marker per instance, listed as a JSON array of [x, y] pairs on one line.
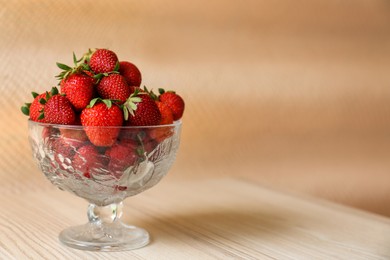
[[220, 218]]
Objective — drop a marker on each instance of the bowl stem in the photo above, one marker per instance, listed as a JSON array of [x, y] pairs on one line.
[[105, 231]]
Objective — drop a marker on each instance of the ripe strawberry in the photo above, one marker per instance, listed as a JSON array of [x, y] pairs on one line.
[[66, 146], [114, 86], [131, 73], [79, 89], [166, 113], [101, 114], [35, 109], [161, 133], [64, 149], [141, 110], [103, 61], [58, 110], [174, 102], [149, 144], [86, 159], [121, 155]]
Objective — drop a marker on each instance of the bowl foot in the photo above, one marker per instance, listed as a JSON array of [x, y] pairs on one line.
[[104, 237]]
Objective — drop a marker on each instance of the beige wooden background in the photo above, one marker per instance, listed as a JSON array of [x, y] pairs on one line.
[[292, 94]]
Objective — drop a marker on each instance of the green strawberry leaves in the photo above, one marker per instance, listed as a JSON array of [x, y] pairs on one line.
[[151, 94], [34, 94], [162, 91], [63, 66], [99, 76], [108, 102], [130, 104], [26, 109], [79, 66]]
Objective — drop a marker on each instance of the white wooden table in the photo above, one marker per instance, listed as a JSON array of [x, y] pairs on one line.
[[220, 218]]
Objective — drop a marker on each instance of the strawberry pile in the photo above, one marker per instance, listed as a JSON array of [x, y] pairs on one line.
[[100, 91]]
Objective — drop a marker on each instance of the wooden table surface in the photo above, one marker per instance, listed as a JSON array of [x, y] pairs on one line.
[[214, 218]]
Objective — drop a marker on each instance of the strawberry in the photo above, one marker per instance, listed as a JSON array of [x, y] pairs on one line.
[[80, 67], [102, 114], [141, 110], [35, 109], [166, 113], [58, 110], [121, 155], [103, 61], [149, 144], [63, 149], [76, 134], [161, 133], [79, 89], [114, 86], [86, 159], [174, 102], [131, 73], [66, 146]]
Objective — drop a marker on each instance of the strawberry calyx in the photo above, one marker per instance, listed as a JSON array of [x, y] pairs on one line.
[[130, 104], [26, 107], [107, 102], [151, 93], [80, 66], [162, 91], [99, 76]]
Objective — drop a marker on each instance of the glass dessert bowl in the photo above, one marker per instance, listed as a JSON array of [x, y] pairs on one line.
[[138, 159]]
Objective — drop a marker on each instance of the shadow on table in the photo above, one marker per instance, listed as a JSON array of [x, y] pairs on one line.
[[254, 230], [217, 225]]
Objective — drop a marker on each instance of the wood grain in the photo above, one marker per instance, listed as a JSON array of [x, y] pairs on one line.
[[220, 218]]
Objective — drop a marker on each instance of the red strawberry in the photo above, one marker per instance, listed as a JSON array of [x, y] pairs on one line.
[[102, 114], [86, 159], [174, 102], [115, 87], [131, 73], [74, 133], [149, 144], [121, 156], [58, 110], [66, 146], [64, 149], [103, 60], [35, 109], [161, 133], [78, 88], [141, 110], [166, 113]]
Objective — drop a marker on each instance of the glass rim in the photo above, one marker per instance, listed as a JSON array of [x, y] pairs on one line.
[[81, 127]]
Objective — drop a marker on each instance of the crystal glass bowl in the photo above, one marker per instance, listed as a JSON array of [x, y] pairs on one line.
[[137, 159]]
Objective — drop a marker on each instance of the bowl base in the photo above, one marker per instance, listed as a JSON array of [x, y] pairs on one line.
[[104, 237]]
